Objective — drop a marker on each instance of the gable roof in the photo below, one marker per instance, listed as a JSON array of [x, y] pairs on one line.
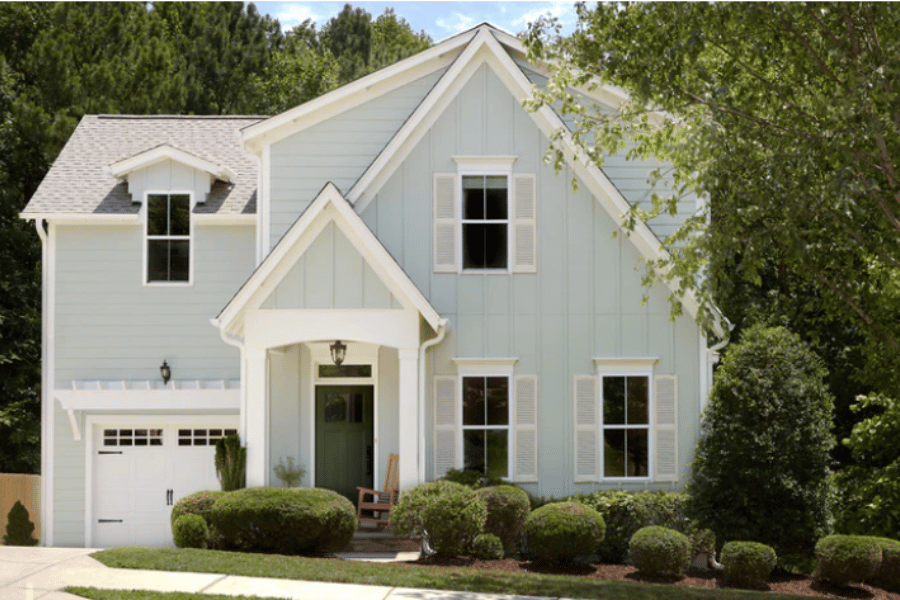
[[329, 206], [142, 160], [77, 183]]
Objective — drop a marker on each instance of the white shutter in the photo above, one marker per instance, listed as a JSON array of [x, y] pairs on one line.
[[445, 223], [525, 465], [586, 442], [445, 429], [666, 428], [524, 225]]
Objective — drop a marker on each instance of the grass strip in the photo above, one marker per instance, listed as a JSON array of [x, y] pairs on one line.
[[101, 594], [398, 575]]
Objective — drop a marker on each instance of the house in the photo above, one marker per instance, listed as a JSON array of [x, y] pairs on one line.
[[203, 275]]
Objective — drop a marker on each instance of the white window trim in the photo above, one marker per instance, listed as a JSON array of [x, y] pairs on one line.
[[145, 239], [487, 367], [626, 367], [484, 166]]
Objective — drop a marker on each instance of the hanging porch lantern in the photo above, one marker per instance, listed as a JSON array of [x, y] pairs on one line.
[[338, 352]]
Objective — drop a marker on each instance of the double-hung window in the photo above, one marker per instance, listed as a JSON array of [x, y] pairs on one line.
[[485, 424], [485, 221], [168, 235], [626, 425]]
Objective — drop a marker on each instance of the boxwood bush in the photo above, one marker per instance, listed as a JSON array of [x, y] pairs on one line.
[[842, 559], [561, 531], [507, 508], [747, 564], [487, 546], [450, 513], [285, 520], [190, 531], [659, 550], [890, 560], [198, 503]]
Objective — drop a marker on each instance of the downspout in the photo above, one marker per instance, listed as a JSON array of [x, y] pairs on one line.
[[237, 342], [437, 339], [47, 408]]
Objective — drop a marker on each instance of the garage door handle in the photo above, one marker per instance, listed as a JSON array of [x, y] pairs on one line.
[[169, 495], [109, 520]]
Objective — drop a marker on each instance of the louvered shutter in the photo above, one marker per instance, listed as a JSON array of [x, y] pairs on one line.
[[525, 466], [445, 223], [445, 429], [586, 442], [524, 225], [666, 428]]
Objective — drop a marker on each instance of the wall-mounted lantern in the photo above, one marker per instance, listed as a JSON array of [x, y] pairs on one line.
[[338, 352], [166, 372]]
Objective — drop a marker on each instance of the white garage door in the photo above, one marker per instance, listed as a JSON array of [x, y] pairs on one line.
[[139, 474]]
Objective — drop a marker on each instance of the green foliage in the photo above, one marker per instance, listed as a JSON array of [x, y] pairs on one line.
[[890, 560], [190, 531], [658, 550], [507, 509], [450, 514], [761, 468], [869, 491], [626, 512], [231, 463], [747, 564], [472, 479], [561, 531], [284, 521], [198, 503], [19, 528], [288, 473], [486, 546], [786, 123], [842, 559]]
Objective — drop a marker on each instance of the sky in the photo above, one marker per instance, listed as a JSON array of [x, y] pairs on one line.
[[438, 19]]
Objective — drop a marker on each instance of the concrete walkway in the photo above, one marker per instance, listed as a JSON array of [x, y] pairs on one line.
[[39, 574]]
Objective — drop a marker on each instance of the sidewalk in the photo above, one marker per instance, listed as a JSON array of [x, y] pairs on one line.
[[42, 572]]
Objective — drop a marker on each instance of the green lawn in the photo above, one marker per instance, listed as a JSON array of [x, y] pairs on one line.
[[399, 575]]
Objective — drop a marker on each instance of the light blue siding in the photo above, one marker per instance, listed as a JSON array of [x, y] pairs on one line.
[[584, 301], [331, 274], [338, 150], [109, 326]]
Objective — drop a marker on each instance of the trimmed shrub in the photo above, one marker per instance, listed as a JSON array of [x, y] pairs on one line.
[[472, 479], [190, 531], [761, 468], [487, 546], [658, 550], [507, 508], [561, 531], [19, 528], [450, 513], [841, 559], [626, 512], [198, 503], [890, 560], [747, 564], [231, 463], [284, 520]]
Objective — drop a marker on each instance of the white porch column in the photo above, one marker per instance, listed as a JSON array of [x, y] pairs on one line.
[[409, 417], [256, 435]]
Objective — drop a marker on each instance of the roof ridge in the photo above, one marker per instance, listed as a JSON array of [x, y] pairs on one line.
[[204, 117]]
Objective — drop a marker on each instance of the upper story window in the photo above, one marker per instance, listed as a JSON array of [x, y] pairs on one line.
[[168, 237], [485, 221], [485, 218]]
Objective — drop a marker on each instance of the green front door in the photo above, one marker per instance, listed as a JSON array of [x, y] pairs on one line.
[[344, 452]]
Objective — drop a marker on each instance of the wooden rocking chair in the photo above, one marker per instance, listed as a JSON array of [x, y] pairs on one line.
[[382, 501]]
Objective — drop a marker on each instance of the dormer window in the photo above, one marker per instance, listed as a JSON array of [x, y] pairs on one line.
[[168, 236]]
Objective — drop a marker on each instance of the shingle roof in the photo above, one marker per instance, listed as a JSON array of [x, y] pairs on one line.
[[78, 184]]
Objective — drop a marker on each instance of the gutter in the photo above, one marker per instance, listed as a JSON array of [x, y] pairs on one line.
[[437, 339]]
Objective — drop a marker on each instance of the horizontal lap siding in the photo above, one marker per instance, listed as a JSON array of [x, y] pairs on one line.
[[111, 327], [338, 150], [584, 300]]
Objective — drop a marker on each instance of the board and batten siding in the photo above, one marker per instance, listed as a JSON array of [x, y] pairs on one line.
[[331, 274], [630, 176], [338, 150], [109, 326], [168, 175], [583, 301]]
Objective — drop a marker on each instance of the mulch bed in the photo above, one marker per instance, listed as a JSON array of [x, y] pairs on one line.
[[779, 582]]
